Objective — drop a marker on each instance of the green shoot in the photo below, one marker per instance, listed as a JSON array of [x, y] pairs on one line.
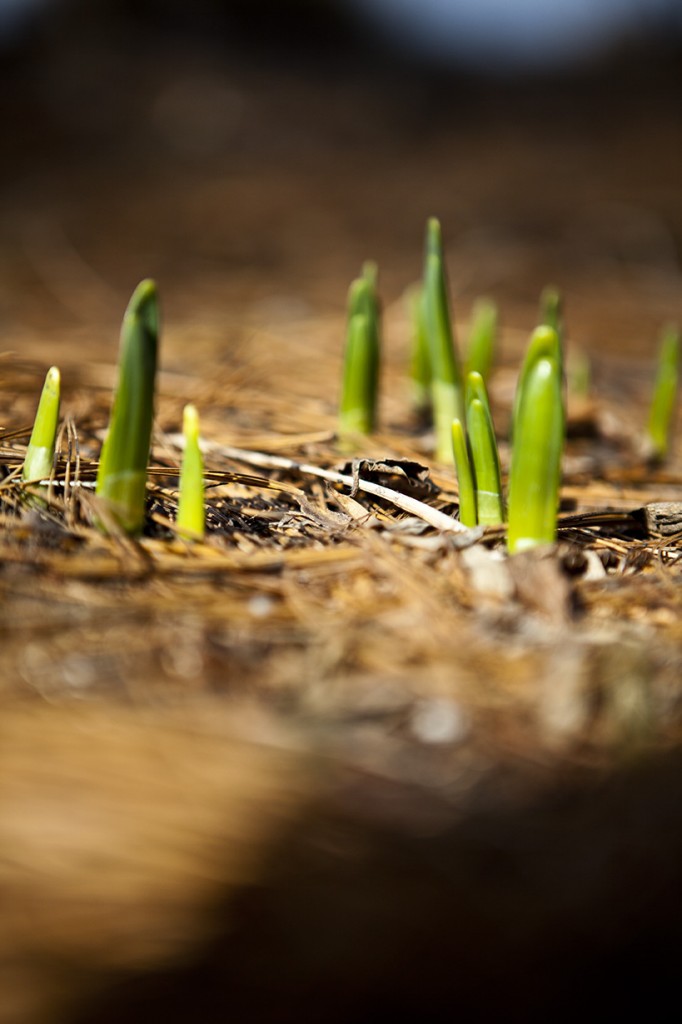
[[482, 335], [484, 453], [665, 393], [360, 385], [551, 309], [357, 406], [465, 477], [191, 518], [40, 452], [420, 362], [544, 343], [539, 431], [121, 478], [370, 274], [446, 385]]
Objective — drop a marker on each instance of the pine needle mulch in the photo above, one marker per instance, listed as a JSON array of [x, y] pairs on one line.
[[333, 700]]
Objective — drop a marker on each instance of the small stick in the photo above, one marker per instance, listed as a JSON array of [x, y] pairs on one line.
[[432, 516]]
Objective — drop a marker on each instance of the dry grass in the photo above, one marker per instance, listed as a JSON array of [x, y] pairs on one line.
[[171, 712]]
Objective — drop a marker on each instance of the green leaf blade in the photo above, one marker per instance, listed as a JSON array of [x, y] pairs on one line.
[[484, 453], [448, 401], [357, 405], [122, 473], [535, 472]]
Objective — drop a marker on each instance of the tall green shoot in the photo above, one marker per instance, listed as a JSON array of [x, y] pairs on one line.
[[40, 452], [121, 477], [446, 382], [420, 360], [664, 398]]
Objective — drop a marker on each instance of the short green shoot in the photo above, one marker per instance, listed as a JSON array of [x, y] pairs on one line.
[[122, 473], [40, 452], [360, 383], [465, 477], [480, 350], [539, 431], [484, 453], [191, 520], [357, 407], [446, 383], [664, 399]]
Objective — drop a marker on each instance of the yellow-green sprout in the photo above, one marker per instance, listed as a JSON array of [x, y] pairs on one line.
[[191, 520], [40, 452]]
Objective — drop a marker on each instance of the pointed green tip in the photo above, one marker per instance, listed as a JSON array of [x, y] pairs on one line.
[[544, 343], [40, 450], [190, 422], [370, 273], [475, 380], [144, 304], [434, 237], [551, 304], [191, 518], [359, 294]]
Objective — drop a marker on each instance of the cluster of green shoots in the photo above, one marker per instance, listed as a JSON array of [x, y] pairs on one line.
[[121, 485], [454, 395]]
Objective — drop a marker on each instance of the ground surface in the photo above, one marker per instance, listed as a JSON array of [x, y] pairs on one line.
[[329, 756]]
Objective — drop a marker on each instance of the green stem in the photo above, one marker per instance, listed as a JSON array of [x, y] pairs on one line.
[[121, 478], [448, 402]]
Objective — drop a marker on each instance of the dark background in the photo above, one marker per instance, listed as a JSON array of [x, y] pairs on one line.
[[251, 155]]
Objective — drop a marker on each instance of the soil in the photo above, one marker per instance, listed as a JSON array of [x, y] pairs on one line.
[[334, 763]]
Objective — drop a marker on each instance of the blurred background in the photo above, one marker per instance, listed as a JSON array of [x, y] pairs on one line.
[[250, 155]]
